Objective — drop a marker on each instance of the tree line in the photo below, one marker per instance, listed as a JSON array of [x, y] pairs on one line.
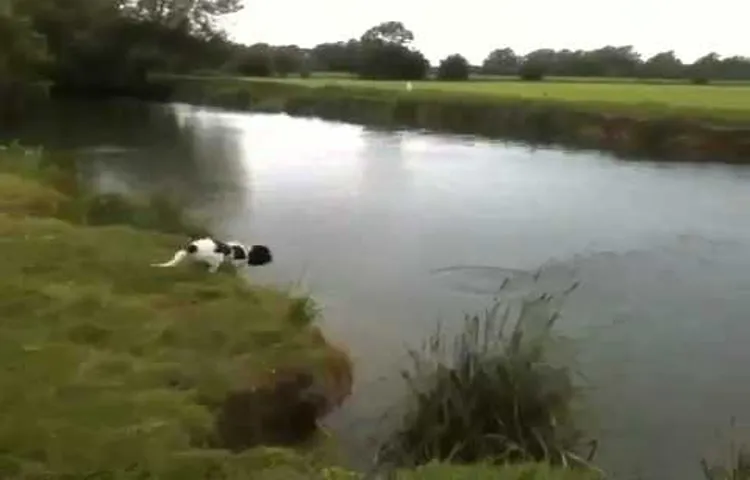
[[613, 61], [111, 44], [354, 56]]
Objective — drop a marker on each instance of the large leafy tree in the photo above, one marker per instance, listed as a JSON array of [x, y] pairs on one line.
[[386, 53], [392, 33], [454, 67], [501, 61], [77, 33], [115, 43], [198, 16], [24, 50]]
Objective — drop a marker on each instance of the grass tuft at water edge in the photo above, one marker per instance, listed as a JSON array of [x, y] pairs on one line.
[[494, 397]]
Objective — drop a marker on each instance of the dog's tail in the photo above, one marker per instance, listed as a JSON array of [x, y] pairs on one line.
[[179, 256]]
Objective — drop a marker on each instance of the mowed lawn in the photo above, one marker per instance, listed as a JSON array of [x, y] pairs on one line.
[[718, 102]]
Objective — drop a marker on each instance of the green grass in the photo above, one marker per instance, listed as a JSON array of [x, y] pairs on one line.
[[109, 365], [481, 77], [47, 183], [711, 101], [531, 471]]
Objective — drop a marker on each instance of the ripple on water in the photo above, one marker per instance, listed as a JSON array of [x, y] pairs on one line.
[[486, 280]]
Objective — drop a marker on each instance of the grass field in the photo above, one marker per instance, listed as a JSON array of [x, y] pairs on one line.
[[704, 101], [481, 77]]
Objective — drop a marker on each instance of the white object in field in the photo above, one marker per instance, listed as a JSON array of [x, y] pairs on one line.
[[408, 86]]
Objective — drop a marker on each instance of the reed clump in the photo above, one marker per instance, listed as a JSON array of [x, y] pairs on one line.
[[495, 397]]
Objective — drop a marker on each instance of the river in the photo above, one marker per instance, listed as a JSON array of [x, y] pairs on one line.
[[393, 231]]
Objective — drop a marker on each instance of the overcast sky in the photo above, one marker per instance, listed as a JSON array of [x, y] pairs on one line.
[[475, 27]]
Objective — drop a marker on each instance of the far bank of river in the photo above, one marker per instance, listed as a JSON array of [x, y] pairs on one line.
[[640, 127]]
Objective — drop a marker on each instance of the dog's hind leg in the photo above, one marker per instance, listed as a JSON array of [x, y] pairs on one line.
[[214, 263]]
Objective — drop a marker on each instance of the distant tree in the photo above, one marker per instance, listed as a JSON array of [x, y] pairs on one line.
[[663, 65], [576, 63], [336, 57], [705, 68], [609, 61], [306, 69], [614, 61], [538, 64], [287, 59], [414, 66], [252, 61], [532, 72], [453, 67], [390, 33], [502, 61], [735, 68], [392, 62], [385, 54], [543, 58]]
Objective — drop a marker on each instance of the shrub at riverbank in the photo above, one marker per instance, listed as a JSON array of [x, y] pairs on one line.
[[113, 367], [682, 122]]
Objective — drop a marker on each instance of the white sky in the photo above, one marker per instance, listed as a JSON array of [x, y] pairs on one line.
[[475, 27]]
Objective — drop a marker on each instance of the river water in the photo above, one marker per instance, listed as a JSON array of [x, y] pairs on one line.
[[393, 231]]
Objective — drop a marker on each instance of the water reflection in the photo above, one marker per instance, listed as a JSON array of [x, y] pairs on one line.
[[384, 164], [194, 162]]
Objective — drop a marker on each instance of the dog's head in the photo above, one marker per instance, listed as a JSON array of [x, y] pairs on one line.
[[259, 255]]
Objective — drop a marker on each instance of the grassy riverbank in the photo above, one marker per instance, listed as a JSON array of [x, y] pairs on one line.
[[112, 366], [682, 122]]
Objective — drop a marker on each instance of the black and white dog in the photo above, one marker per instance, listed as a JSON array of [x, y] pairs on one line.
[[213, 253]]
